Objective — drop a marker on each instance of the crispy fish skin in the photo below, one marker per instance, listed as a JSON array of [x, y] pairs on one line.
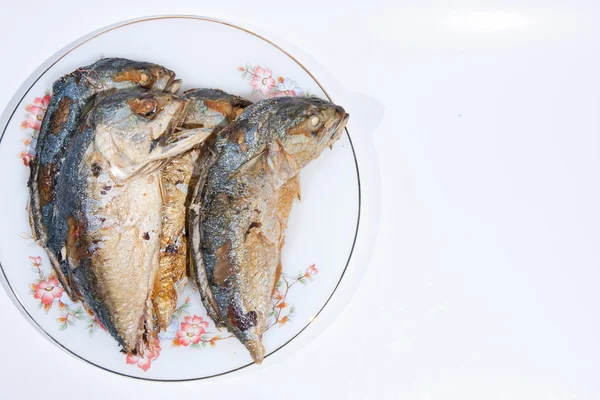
[[109, 192], [73, 94], [238, 215]]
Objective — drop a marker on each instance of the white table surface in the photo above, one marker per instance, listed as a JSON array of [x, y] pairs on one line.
[[480, 124]]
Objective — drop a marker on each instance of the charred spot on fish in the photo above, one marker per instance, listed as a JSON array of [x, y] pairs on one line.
[[102, 219], [243, 321], [107, 187], [146, 236], [96, 169], [253, 225], [46, 182], [59, 119], [145, 107], [134, 75], [172, 249]]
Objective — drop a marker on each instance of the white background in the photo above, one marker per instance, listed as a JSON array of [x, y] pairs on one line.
[[482, 119]]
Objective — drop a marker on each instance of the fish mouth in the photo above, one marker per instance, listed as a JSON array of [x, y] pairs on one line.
[[173, 85], [339, 129]]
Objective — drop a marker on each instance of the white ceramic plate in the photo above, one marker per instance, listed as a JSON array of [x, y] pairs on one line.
[[322, 228]]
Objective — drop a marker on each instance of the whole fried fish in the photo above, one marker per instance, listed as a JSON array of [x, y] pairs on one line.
[[212, 109], [72, 96], [238, 215], [109, 193]]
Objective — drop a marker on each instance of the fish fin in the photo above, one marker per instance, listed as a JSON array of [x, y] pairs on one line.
[[295, 182], [162, 190], [277, 272], [187, 139], [280, 163], [248, 166]]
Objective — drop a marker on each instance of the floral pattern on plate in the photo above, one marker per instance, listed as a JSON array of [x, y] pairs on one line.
[[262, 81]]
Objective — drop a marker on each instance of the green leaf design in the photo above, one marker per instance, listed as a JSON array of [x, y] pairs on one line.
[[203, 344], [71, 323], [248, 67], [302, 281], [292, 309], [195, 346], [91, 332], [279, 283], [245, 75], [62, 327]]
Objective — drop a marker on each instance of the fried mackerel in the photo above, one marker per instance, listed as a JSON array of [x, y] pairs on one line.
[[239, 211], [72, 97], [109, 192]]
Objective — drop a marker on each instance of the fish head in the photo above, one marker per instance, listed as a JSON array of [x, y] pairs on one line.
[[140, 130], [310, 125], [122, 73]]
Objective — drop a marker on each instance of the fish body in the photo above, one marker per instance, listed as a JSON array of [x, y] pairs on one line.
[[238, 215], [209, 109], [110, 195], [72, 96]]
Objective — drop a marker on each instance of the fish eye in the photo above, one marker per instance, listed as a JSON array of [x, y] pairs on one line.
[[150, 110], [315, 121], [144, 107]]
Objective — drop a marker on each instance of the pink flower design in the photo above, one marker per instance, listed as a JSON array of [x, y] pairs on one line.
[[36, 112], [36, 261], [26, 157], [277, 295], [287, 87], [32, 122], [262, 80], [312, 270], [191, 331], [48, 290], [145, 361]]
